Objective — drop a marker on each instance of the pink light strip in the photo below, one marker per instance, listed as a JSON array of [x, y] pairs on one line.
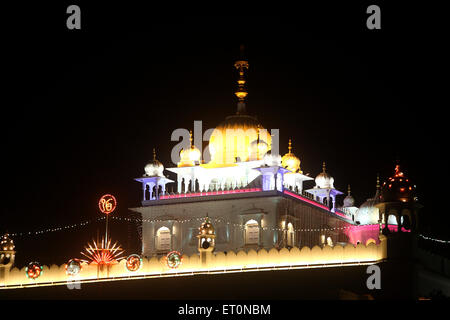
[[376, 227], [306, 200], [211, 193]]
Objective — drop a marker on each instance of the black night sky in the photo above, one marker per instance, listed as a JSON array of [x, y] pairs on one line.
[[82, 110]]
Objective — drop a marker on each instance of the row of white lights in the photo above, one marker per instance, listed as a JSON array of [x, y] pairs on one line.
[[84, 223]]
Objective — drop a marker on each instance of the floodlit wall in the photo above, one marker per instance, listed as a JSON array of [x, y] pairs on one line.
[[231, 261]]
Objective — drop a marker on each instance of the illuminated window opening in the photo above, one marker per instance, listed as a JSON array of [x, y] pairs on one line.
[[163, 239], [251, 232], [290, 235]]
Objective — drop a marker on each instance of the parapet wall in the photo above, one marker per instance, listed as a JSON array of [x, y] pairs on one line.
[[252, 260]]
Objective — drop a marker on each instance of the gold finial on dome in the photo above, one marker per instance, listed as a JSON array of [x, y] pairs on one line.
[[290, 146], [348, 190], [324, 168], [378, 181], [241, 93], [154, 154]]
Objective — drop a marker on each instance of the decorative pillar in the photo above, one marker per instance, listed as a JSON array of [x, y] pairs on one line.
[[150, 189], [265, 182], [179, 178], [157, 189], [144, 189], [275, 181]]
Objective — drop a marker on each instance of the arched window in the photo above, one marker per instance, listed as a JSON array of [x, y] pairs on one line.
[[163, 239], [290, 235], [251, 232]]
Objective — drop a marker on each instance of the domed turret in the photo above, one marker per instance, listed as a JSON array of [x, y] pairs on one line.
[[398, 188], [7, 244], [206, 228], [349, 201], [324, 180], [290, 161], [191, 156], [206, 241], [7, 253], [154, 167]]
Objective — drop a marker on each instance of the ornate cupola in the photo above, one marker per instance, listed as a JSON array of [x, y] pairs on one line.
[[7, 256], [398, 188], [153, 181], [324, 189], [206, 241], [398, 203]]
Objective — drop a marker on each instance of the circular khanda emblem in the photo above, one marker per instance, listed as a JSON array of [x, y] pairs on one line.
[[107, 203], [33, 270], [134, 262], [173, 259], [73, 267]]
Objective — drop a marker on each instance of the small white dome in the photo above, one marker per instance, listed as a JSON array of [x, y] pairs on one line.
[[349, 201], [324, 180], [368, 213], [154, 167], [272, 160]]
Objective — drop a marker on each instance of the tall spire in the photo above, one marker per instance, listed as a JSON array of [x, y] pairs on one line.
[[241, 93]]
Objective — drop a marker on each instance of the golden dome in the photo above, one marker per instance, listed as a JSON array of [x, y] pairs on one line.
[[290, 161], [233, 138], [191, 156], [206, 228], [237, 137]]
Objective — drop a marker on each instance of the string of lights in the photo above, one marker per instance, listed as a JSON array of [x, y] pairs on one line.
[[433, 239], [54, 229], [189, 220], [228, 223]]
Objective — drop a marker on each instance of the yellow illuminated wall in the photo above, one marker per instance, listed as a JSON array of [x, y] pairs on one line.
[[220, 262]]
